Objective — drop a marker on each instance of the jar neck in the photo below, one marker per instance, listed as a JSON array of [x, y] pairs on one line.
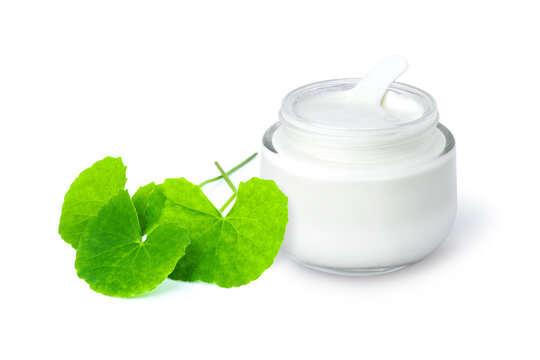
[[370, 148]]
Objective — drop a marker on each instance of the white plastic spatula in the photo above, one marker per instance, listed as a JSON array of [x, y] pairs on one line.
[[371, 89], [359, 107]]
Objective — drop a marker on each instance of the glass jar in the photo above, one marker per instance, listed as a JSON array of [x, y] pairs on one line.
[[362, 200]]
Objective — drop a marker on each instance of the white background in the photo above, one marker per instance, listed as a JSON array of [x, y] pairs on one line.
[[172, 86]]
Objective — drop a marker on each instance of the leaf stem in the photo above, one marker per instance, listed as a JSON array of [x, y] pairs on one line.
[[227, 203], [230, 171], [226, 177]]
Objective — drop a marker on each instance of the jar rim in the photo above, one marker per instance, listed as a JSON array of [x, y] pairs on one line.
[[289, 119]]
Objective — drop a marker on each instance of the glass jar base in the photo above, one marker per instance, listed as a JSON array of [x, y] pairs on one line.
[[348, 271]]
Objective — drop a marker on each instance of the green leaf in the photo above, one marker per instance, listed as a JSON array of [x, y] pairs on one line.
[[87, 194], [113, 259], [228, 251], [140, 200]]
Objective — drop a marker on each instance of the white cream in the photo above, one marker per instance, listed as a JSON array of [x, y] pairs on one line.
[[334, 109], [369, 174]]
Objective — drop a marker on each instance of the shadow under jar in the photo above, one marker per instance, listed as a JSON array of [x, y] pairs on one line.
[[365, 197]]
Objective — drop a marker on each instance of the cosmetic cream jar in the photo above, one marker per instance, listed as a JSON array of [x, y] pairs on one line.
[[365, 197]]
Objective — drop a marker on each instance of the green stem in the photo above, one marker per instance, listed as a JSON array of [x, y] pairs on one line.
[[227, 203], [224, 174], [229, 172]]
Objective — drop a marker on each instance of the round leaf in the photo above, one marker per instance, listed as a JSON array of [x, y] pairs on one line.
[[113, 259], [228, 251], [87, 194]]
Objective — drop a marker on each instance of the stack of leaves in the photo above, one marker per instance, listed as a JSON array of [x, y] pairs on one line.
[[129, 245]]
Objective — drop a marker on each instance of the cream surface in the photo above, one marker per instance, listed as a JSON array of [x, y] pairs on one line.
[[335, 109]]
